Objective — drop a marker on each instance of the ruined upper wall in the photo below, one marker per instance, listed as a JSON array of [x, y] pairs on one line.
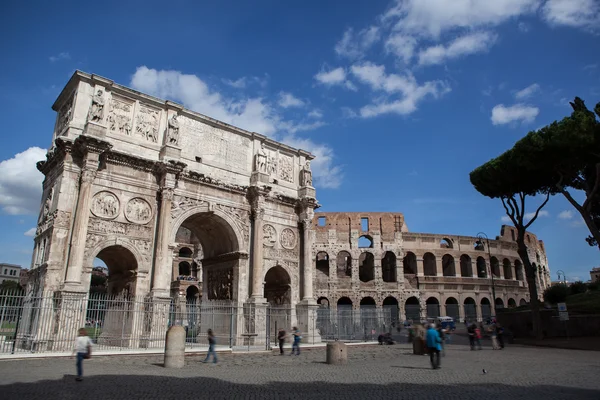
[[147, 127], [384, 225]]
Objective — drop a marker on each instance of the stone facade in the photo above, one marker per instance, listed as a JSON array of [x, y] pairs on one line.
[[134, 180], [371, 259]]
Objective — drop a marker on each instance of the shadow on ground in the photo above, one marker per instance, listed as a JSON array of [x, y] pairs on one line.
[[161, 387]]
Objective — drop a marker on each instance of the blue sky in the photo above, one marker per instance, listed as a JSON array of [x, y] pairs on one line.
[[399, 100]]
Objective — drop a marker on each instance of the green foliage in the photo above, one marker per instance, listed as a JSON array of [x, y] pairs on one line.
[[577, 287], [10, 286], [98, 280], [593, 286], [556, 294]]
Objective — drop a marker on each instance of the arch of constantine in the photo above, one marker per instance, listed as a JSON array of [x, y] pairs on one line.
[[177, 204]]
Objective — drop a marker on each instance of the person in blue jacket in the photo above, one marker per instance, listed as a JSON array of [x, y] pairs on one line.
[[434, 345]]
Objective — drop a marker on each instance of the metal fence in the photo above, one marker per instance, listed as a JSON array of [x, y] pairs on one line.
[[50, 322], [347, 324]]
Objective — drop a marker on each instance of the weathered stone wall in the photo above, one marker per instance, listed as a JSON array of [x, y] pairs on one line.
[[434, 268]]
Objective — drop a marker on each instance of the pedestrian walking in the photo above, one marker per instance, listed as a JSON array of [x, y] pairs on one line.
[[500, 335], [478, 337], [434, 346], [492, 331], [442, 334], [471, 332], [281, 339], [296, 344], [212, 341], [83, 351]]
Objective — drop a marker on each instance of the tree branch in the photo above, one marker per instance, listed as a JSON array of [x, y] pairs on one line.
[[511, 213], [587, 204], [538, 211]]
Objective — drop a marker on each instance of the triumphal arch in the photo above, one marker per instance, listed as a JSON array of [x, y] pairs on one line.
[[144, 183]]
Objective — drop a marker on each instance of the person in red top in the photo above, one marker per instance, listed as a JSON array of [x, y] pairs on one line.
[[478, 337]]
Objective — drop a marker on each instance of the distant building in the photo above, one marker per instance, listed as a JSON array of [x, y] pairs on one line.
[[595, 274], [10, 272]]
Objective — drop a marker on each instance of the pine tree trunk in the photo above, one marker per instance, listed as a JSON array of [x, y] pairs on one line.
[[530, 273]]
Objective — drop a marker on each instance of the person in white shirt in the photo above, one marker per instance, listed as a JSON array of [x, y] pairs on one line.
[[83, 349]]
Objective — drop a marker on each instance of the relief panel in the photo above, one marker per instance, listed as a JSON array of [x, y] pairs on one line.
[[146, 123], [120, 115]]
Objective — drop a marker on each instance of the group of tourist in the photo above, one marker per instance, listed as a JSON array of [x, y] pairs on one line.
[[296, 337]]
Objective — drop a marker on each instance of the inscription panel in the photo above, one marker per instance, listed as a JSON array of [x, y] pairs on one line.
[[217, 146], [119, 228]]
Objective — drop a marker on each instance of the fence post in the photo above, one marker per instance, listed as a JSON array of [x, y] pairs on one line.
[[231, 327]]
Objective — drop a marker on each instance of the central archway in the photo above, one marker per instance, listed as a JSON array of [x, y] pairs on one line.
[[212, 239], [122, 270]]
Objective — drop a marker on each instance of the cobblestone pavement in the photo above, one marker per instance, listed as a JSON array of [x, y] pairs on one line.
[[372, 372]]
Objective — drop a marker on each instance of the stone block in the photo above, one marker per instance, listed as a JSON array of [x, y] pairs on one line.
[[337, 353], [96, 130], [170, 152], [175, 347]]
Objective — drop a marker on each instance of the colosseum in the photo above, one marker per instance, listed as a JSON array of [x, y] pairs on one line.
[[372, 260]]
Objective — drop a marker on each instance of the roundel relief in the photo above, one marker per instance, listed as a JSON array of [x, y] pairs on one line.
[[288, 238], [105, 205], [269, 235], [138, 211]]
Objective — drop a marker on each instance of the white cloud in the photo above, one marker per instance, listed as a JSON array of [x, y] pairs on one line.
[[60, 56], [287, 100], [527, 92], [325, 173], [253, 114], [406, 87], [293, 127], [30, 232], [524, 27], [471, 43], [519, 112], [402, 46], [354, 45], [567, 214], [529, 215], [21, 182], [333, 77], [238, 84], [430, 18], [506, 218], [315, 114], [583, 14]]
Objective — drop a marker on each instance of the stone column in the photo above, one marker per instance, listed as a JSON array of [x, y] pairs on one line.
[[420, 266], [80, 226], [162, 271], [307, 257], [474, 268], [258, 213], [439, 261]]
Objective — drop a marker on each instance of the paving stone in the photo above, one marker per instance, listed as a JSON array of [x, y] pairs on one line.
[[372, 372]]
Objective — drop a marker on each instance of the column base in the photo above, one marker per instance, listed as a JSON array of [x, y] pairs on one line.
[[95, 129], [307, 191], [254, 332], [306, 312], [169, 151]]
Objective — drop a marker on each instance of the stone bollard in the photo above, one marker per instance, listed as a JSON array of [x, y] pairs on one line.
[[175, 347], [419, 340], [337, 353]]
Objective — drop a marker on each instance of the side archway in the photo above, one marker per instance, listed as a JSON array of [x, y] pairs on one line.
[[470, 308], [429, 265], [410, 263], [433, 307], [412, 309], [448, 267], [452, 308], [278, 289]]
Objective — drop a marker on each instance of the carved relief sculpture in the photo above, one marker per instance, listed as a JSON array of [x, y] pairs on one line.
[[147, 124], [105, 205], [181, 204], [269, 235], [286, 168], [173, 130], [288, 238], [48, 204], [306, 175], [64, 116], [119, 116], [96, 113], [138, 211], [261, 159], [271, 165]]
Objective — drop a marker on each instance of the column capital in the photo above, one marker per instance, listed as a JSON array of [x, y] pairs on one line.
[[88, 174], [166, 193]]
